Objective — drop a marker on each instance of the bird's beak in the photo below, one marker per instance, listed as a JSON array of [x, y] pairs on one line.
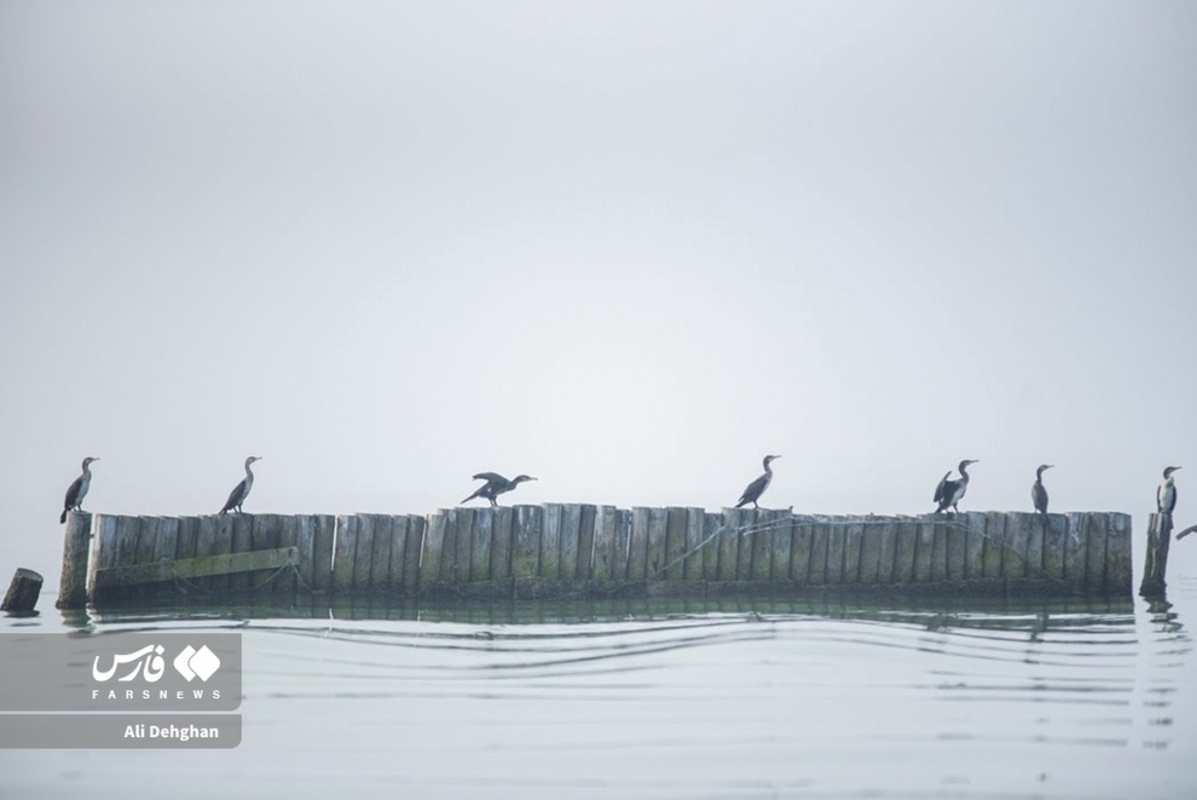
[[1049, 466]]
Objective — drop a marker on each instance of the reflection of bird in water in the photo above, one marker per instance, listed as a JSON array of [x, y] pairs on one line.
[[241, 490], [1165, 495], [949, 493], [495, 485], [1038, 491], [77, 490], [758, 487]]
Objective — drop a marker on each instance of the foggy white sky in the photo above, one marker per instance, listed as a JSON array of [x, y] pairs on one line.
[[627, 248]]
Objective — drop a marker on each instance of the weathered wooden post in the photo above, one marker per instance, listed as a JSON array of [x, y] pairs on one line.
[[1155, 564], [72, 590], [23, 591]]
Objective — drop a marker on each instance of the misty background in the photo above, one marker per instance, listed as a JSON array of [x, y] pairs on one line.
[[626, 248]]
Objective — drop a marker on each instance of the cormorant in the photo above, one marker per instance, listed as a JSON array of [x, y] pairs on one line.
[[1165, 496], [77, 490], [495, 485], [241, 490], [949, 493], [1038, 492], [758, 487]]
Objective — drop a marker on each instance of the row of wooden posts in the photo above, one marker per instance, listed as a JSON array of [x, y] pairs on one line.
[[541, 550]]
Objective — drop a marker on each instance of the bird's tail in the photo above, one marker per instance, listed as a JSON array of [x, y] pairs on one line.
[[62, 519], [468, 499]]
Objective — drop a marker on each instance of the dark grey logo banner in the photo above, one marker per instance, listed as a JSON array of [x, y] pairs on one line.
[[139, 675], [120, 731], [120, 672]]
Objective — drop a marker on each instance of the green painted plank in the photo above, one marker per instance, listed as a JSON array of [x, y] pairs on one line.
[[203, 566]]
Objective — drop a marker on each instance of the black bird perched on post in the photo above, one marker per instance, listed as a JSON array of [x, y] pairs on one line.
[[495, 485], [949, 493], [758, 487], [1165, 495], [1038, 491], [77, 490], [241, 490]]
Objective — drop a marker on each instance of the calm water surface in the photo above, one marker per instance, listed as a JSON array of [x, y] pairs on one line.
[[816, 697]]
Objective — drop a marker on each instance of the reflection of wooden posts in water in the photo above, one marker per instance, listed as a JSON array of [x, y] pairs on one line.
[[1155, 562], [570, 549]]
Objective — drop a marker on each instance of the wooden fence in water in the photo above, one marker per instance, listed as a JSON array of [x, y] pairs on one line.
[[546, 550]]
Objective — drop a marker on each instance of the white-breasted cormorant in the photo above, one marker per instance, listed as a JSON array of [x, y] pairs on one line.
[[1165, 495], [77, 490], [495, 485], [949, 493], [241, 490], [757, 488], [1038, 492]]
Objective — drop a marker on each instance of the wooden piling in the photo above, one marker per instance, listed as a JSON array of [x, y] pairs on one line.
[[482, 541], [1053, 547], [283, 532], [853, 549], [525, 545], [1074, 551], [870, 551], [638, 551], [413, 549], [1096, 537], [72, 589], [781, 526], [378, 573], [324, 539], [344, 552], [462, 520], [818, 553], [499, 568], [712, 525], [584, 570], [570, 535], [728, 545], [1018, 537], [605, 547], [1119, 571], [1155, 562], [676, 524], [540, 551], [434, 543], [800, 550], [761, 538], [992, 532], [887, 535], [658, 530], [550, 542], [23, 591]]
